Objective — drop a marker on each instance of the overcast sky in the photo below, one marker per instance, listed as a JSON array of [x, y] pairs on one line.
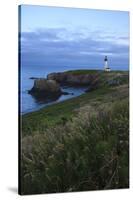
[[55, 36]]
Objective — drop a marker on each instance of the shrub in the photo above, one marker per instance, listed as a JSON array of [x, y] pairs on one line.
[[89, 152]]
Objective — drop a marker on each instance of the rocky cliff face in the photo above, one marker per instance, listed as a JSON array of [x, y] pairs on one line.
[[45, 88], [65, 78]]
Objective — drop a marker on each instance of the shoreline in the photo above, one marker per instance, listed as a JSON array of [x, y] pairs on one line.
[[75, 96], [45, 105], [54, 103]]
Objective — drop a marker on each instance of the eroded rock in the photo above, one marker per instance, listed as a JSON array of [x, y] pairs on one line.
[[44, 88], [64, 78]]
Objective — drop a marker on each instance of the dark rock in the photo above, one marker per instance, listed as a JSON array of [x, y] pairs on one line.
[[118, 80], [59, 77], [33, 78], [70, 79], [45, 89]]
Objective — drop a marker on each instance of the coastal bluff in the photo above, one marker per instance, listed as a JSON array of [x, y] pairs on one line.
[[74, 78], [51, 87], [92, 79]]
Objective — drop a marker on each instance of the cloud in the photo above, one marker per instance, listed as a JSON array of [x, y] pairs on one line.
[[58, 46]]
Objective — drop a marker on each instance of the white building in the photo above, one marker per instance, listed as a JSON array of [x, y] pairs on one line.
[[106, 67]]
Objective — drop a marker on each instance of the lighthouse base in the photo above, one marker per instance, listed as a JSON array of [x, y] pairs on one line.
[[107, 69]]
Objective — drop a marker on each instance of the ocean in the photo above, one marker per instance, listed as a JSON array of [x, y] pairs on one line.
[[28, 102]]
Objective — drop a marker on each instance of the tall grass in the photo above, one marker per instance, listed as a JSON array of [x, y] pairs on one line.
[[90, 152]]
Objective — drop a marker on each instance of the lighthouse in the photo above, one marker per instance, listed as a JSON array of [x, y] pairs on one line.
[[106, 67]]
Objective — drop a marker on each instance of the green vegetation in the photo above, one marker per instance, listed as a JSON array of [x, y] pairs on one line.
[[79, 144], [55, 113], [83, 71], [94, 71]]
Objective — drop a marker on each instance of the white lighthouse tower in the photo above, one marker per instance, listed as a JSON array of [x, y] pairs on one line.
[[106, 67]]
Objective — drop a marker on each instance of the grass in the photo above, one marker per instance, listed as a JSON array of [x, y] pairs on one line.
[[63, 111], [79, 144], [53, 114], [82, 72], [88, 71], [88, 153]]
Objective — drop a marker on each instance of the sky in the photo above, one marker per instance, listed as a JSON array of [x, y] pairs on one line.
[[54, 36]]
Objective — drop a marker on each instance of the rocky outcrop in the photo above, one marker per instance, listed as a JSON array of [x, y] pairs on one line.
[[60, 77], [50, 88], [44, 88], [33, 78], [118, 80], [65, 78]]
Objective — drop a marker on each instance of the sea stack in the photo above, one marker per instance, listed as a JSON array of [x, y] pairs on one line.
[[46, 89]]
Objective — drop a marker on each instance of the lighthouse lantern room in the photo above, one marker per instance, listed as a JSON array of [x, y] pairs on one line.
[[106, 67]]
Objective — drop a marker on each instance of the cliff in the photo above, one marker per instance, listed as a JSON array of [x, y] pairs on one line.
[[72, 78], [45, 88], [50, 88]]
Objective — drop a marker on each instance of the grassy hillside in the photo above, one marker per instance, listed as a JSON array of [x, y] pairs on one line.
[[79, 144], [61, 112]]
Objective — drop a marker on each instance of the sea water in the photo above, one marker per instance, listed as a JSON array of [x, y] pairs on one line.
[[27, 102]]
